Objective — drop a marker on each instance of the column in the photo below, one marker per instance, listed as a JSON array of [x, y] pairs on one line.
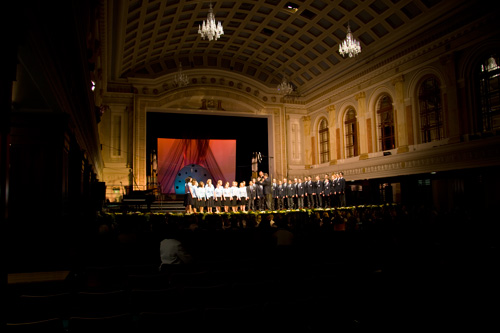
[[400, 115], [306, 121], [361, 125], [334, 153]]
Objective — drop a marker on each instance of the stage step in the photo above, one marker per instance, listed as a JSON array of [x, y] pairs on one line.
[[168, 206], [157, 206]]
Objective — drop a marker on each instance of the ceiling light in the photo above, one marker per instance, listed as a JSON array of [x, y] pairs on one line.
[[210, 28], [292, 7], [349, 46], [285, 88], [180, 79]]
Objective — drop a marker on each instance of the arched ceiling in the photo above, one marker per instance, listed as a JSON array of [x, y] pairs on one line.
[[263, 39]]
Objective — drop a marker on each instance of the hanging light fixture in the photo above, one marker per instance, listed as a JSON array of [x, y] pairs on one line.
[[180, 79], [285, 88], [349, 46], [210, 28]]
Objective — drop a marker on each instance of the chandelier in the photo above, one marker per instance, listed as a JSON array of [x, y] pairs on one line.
[[285, 88], [210, 28], [350, 45], [180, 79]]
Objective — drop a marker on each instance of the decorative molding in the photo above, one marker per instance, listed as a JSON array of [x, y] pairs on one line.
[[403, 149], [211, 104], [480, 153]]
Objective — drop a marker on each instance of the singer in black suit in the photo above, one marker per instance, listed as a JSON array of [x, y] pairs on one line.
[[319, 192], [259, 200], [342, 189], [327, 191], [267, 189], [309, 192], [252, 195], [291, 192], [281, 195], [301, 192]]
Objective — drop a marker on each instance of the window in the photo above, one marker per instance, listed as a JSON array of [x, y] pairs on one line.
[[324, 144], [351, 134], [431, 113], [385, 114], [489, 81]]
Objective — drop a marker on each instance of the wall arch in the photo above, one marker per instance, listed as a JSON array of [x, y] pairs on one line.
[[189, 100], [466, 74], [412, 91], [316, 130], [347, 105], [372, 111]]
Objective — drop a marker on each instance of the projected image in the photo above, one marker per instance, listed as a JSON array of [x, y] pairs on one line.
[[194, 171], [200, 159]]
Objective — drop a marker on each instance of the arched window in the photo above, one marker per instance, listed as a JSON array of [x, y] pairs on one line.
[[385, 114], [351, 134], [431, 112], [489, 91], [324, 143]]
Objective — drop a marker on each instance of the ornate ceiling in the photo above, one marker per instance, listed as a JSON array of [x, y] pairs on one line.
[[263, 39]]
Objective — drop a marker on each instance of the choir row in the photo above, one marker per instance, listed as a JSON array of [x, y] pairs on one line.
[[286, 194]]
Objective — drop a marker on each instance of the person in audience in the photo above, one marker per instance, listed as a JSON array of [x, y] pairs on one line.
[[283, 239], [172, 250]]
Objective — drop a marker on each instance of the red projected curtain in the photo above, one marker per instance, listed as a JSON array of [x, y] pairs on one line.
[[217, 156]]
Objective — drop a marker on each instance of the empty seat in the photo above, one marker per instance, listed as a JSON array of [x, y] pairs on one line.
[[189, 320], [101, 278], [286, 316], [196, 278], [160, 300], [122, 323], [139, 269], [208, 296], [246, 318], [100, 304], [148, 281], [53, 325], [221, 319], [32, 308], [250, 292]]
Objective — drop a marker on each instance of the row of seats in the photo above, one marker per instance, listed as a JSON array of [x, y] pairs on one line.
[[99, 278], [274, 316], [248, 314], [249, 293]]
